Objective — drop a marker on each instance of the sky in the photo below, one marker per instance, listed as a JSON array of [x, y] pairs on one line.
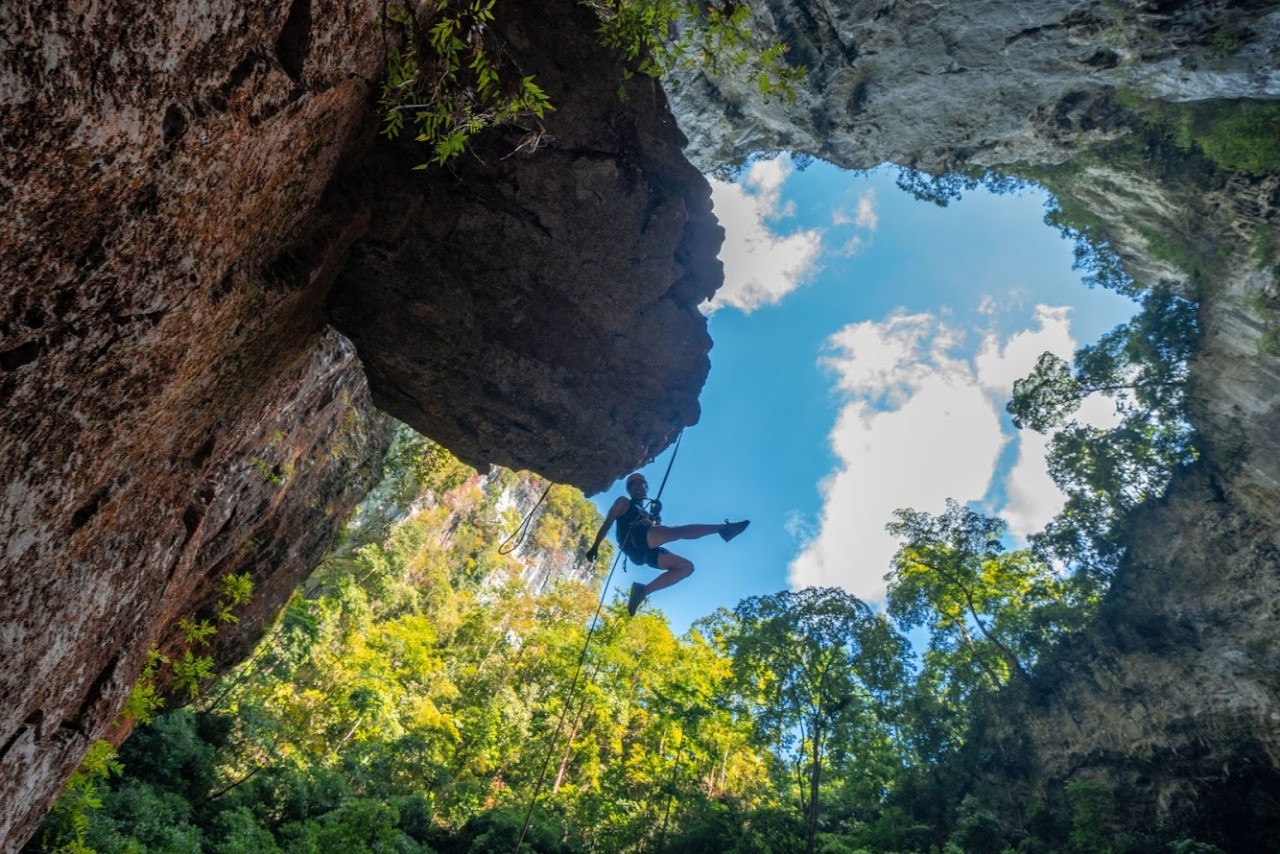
[[866, 344]]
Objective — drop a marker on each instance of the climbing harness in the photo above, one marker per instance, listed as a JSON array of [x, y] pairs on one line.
[[653, 508]]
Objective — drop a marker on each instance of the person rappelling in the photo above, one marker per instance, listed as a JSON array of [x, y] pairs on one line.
[[642, 536]]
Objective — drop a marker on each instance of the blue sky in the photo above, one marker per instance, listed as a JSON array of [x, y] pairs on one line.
[[865, 346]]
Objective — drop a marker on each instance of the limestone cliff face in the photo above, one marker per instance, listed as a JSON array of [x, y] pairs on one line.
[[182, 184], [939, 86], [173, 409], [1172, 697]]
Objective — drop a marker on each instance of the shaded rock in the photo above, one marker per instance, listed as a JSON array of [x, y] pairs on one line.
[[527, 309], [172, 409]]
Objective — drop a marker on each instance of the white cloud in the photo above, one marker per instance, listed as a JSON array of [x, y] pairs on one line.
[[761, 265], [867, 217], [922, 422]]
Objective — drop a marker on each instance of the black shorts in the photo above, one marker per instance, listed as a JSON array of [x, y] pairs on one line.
[[637, 550]]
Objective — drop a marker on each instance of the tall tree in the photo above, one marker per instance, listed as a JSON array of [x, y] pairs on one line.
[[817, 669], [990, 612], [1105, 473]]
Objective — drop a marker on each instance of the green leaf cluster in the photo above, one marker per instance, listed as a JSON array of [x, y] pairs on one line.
[[661, 36], [414, 697], [1107, 472], [448, 73]]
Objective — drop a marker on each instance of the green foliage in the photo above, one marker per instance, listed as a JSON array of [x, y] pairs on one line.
[[276, 475], [143, 702], [189, 670], [1265, 307], [817, 672], [1092, 817], [196, 632], [448, 72], [1236, 135], [942, 190], [451, 76], [660, 36], [414, 465], [1269, 343], [990, 613], [68, 823], [1105, 473], [411, 693], [236, 590], [977, 830], [1226, 41], [357, 826]]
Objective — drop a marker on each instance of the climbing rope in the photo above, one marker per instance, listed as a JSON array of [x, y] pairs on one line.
[[671, 462], [573, 683], [586, 644], [522, 530]]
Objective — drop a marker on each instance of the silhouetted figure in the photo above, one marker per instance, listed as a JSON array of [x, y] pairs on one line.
[[641, 536]]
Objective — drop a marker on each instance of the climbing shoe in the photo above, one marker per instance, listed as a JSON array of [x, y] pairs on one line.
[[638, 595], [732, 529]]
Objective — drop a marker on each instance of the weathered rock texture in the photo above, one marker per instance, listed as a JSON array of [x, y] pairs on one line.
[[939, 86], [541, 290], [1172, 698], [182, 184], [173, 409]]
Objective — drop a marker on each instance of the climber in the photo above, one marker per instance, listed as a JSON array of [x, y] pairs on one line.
[[641, 535]]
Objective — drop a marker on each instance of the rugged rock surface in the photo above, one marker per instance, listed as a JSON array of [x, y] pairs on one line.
[[938, 86], [1172, 697], [541, 290], [172, 408], [182, 184]]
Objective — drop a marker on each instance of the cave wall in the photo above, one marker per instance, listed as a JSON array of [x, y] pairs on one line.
[[182, 184], [173, 408]]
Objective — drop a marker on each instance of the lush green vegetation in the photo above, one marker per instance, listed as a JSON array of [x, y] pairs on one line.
[[410, 697], [1238, 136], [1106, 473], [449, 76]]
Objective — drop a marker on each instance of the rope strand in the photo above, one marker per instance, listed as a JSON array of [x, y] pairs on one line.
[[573, 683]]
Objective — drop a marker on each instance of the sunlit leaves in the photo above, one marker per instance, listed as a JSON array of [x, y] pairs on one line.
[[660, 36], [990, 613], [1106, 473], [452, 75]]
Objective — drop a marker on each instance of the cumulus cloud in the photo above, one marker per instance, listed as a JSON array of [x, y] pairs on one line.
[[865, 219], [761, 264], [922, 422]]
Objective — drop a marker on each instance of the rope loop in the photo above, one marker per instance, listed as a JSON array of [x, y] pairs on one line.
[[522, 530]]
